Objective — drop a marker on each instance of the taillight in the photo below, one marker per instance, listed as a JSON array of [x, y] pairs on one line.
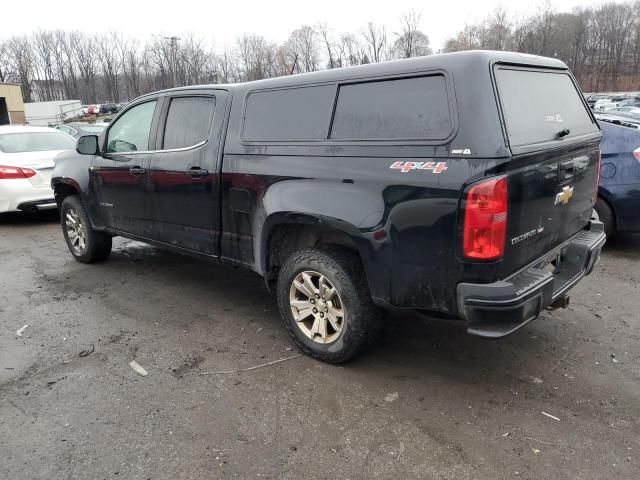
[[636, 153], [15, 172], [485, 219]]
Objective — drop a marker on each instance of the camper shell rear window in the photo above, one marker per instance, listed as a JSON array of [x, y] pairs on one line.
[[541, 106]]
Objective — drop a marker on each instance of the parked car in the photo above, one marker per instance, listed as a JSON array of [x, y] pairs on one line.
[[594, 97], [26, 163], [619, 192], [78, 129], [93, 109], [630, 102], [618, 117], [383, 186], [627, 109], [107, 108], [603, 105]]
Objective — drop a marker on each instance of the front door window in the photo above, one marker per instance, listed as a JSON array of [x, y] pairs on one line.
[[130, 132]]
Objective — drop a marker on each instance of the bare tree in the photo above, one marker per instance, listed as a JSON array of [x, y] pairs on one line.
[[44, 80], [5, 62], [227, 67], [330, 46], [601, 44], [302, 50], [411, 42], [498, 30], [351, 51], [65, 65], [19, 49], [375, 37], [109, 54], [257, 57]]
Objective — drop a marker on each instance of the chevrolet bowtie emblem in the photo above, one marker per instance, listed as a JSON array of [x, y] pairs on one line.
[[564, 196]]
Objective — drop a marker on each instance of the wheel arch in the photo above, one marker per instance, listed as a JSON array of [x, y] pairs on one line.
[[285, 232], [64, 187]]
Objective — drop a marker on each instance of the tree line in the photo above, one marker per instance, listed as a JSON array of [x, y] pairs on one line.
[[600, 44], [94, 68]]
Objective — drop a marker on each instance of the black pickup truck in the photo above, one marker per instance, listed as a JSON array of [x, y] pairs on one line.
[[460, 185]]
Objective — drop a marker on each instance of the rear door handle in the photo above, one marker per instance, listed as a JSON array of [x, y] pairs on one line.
[[197, 172], [137, 170]]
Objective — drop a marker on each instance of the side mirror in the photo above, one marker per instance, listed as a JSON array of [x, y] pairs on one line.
[[88, 145]]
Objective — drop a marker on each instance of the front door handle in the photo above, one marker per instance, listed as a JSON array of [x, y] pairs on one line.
[[137, 170], [197, 172]]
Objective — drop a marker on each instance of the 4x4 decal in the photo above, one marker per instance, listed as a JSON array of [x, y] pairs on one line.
[[405, 167]]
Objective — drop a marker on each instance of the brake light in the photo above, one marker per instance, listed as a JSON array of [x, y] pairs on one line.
[[485, 219], [15, 172], [636, 153]]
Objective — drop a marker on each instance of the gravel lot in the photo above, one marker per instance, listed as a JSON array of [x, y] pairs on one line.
[[427, 402]]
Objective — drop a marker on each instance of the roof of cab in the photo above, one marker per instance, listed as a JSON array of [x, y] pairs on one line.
[[482, 58]]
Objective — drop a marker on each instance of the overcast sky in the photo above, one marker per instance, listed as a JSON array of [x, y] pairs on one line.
[[222, 20]]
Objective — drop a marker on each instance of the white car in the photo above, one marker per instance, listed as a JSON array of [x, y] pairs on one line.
[[604, 104], [26, 162]]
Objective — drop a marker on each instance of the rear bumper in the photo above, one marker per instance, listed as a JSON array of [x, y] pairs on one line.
[[16, 194], [497, 309], [38, 205]]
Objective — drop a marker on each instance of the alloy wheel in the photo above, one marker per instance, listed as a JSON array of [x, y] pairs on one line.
[[76, 231], [316, 307]]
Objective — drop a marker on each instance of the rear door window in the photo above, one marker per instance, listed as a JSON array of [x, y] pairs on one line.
[[409, 108], [188, 122], [538, 105], [291, 114]]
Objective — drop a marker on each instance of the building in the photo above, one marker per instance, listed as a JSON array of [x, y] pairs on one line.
[[11, 104]]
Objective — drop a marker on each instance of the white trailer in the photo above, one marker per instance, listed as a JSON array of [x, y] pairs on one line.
[[49, 114]]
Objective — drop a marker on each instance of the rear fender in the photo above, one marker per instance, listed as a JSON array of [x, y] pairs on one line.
[[329, 206]]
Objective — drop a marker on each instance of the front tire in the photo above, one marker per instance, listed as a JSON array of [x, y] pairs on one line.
[[325, 303], [85, 244]]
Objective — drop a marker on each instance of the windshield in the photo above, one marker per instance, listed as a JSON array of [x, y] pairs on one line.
[[35, 142], [541, 106]]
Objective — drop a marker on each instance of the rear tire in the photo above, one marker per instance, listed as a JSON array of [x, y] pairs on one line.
[[325, 302], [85, 244], [606, 216]]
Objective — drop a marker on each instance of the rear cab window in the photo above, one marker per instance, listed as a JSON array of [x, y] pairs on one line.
[[541, 106]]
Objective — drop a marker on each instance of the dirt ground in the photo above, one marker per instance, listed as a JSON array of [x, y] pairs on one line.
[[427, 402]]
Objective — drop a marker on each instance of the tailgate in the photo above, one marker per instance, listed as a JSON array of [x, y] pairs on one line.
[[552, 176], [551, 196]]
